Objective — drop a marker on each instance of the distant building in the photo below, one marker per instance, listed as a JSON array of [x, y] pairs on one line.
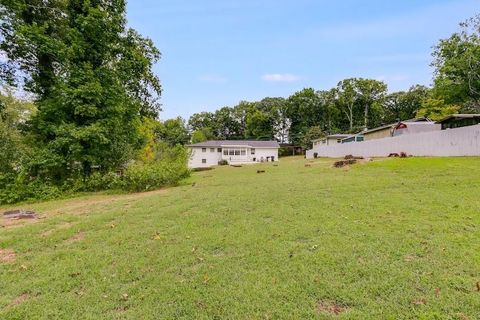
[[411, 127], [330, 140], [378, 133], [402, 127], [354, 138], [210, 153], [459, 120]]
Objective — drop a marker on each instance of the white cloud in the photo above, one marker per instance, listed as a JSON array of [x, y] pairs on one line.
[[212, 78], [281, 77]]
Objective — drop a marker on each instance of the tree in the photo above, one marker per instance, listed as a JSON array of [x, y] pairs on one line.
[[404, 105], [312, 134], [457, 67], [92, 78], [259, 125], [13, 114], [347, 96], [304, 110], [174, 132], [202, 135], [371, 94], [436, 109]]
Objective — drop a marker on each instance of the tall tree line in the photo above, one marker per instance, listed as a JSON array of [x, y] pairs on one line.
[[356, 104]]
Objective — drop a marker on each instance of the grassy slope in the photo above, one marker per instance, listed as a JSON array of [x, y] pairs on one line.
[[392, 239]]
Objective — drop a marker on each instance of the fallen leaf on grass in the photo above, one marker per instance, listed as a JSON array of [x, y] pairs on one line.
[[437, 292], [125, 296], [157, 236], [420, 302]]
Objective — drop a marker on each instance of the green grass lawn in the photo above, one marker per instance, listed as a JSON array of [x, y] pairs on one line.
[[389, 239]]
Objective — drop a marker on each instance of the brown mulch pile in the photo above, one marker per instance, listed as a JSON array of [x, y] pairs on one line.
[[344, 163]]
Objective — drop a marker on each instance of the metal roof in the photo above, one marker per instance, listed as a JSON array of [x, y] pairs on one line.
[[242, 143], [388, 126], [460, 116]]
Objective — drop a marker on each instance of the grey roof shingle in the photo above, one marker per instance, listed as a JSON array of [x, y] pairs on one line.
[[246, 143]]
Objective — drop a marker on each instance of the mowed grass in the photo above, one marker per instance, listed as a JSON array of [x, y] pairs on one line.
[[388, 239]]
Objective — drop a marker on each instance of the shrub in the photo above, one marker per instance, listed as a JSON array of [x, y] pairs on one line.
[[144, 177], [223, 162], [315, 155]]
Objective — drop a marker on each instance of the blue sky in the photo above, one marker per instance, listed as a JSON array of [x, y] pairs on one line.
[[218, 52]]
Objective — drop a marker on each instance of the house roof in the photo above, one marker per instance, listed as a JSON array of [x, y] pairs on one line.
[[332, 136], [459, 116], [243, 143], [388, 126]]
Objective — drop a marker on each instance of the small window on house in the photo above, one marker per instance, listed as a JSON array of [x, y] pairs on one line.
[[212, 149], [204, 160], [243, 152], [204, 149], [225, 152], [219, 150], [237, 152], [231, 152], [339, 140], [252, 151]]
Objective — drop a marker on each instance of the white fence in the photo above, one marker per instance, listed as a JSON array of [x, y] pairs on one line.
[[443, 143]]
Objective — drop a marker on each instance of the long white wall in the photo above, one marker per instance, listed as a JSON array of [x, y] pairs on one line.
[[453, 142]]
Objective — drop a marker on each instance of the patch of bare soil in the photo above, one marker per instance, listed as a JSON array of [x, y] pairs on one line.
[[61, 226], [82, 206], [79, 236], [7, 255], [19, 300], [331, 308]]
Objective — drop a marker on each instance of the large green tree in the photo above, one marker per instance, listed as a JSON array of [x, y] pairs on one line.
[[457, 67], [91, 75]]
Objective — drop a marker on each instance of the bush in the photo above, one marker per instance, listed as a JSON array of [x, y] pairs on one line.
[[144, 177], [20, 190], [33, 184], [223, 162], [315, 155]]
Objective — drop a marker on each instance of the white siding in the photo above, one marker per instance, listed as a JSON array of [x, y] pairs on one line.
[[453, 142], [197, 155], [212, 159]]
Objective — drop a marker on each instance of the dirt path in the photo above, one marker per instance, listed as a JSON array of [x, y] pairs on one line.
[[79, 206]]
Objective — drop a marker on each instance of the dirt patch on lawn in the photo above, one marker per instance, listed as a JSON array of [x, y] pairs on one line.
[[330, 308], [84, 205], [7, 255], [61, 226], [19, 300], [79, 236], [81, 206]]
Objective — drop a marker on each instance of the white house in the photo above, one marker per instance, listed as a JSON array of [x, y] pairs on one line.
[[209, 153]]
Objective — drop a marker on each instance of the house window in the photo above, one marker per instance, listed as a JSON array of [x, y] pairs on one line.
[[212, 149], [225, 152], [219, 150], [231, 152], [339, 140], [252, 151], [204, 160], [243, 152], [237, 152], [204, 149]]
